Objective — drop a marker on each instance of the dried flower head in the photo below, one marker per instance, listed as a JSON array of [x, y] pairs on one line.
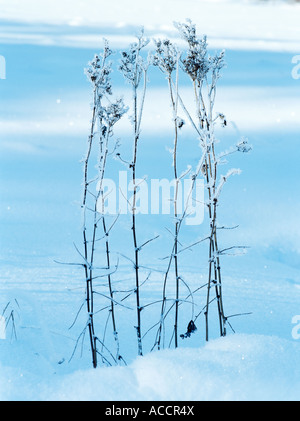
[[132, 64], [243, 146], [112, 113], [196, 63], [166, 56], [99, 70]]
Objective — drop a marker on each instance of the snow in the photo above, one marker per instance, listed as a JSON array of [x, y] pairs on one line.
[[236, 368], [45, 115]]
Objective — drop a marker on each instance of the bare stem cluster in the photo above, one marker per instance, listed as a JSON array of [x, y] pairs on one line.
[[203, 71]]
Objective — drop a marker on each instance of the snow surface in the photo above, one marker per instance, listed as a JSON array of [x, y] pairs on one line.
[[238, 367], [44, 125]]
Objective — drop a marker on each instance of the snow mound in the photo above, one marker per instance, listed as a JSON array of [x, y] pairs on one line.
[[236, 368]]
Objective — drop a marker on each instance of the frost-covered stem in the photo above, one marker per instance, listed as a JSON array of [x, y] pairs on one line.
[[218, 285], [136, 251], [217, 268], [89, 287], [214, 275], [174, 103], [137, 122], [94, 74], [204, 125], [104, 152], [111, 293], [167, 58], [133, 67], [164, 299], [204, 73], [101, 165], [98, 73]]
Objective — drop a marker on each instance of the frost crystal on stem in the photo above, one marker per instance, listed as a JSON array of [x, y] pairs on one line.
[[105, 114], [134, 68]]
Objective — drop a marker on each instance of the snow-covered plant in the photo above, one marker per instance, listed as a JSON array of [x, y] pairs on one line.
[[105, 114], [134, 69], [166, 58], [204, 72]]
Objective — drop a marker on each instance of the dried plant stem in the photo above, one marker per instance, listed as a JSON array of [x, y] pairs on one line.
[[161, 62], [111, 292], [104, 117], [137, 123], [204, 72], [133, 68], [174, 103], [89, 282], [100, 197], [210, 171]]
